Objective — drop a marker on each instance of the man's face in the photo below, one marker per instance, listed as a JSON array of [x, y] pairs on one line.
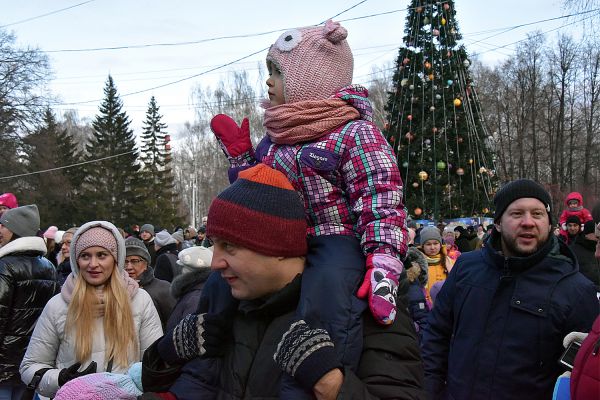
[[249, 274], [65, 247], [145, 236], [201, 235], [524, 227], [573, 228]]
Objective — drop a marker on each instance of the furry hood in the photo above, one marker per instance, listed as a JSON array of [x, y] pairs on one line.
[[24, 244], [185, 282], [415, 255]]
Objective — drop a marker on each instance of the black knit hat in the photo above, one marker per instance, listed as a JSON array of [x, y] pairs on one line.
[[573, 219], [589, 227], [519, 189]]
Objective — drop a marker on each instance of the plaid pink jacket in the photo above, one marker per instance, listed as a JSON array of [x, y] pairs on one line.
[[348, 179]]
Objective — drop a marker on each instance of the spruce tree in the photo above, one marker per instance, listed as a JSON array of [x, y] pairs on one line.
[[435, 121], [112, 183], [56, 192], [160, 203]]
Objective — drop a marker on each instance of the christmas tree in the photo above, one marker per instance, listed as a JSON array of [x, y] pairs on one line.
[[160, 203], [434, 119]]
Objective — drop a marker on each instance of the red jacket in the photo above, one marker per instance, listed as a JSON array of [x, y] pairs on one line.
[[585, 378]]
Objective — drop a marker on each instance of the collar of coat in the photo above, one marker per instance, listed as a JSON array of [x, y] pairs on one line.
[[24, 244], [187, 281], [279, 303]]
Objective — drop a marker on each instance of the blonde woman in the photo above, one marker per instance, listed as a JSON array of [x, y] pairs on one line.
[[101, 315]]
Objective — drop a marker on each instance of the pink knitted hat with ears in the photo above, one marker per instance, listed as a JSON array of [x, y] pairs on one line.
[[315, 62]]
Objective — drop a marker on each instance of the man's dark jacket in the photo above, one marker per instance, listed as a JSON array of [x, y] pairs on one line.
[[390, 366], [584, 250], [27, 282], [496, 329], [160, 293]]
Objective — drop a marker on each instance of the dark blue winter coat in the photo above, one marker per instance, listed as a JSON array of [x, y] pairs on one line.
[[498, 323]]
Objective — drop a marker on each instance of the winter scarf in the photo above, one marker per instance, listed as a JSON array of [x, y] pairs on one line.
[[308, 120]]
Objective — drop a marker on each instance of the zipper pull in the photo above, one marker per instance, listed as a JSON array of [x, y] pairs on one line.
[[596, 347]]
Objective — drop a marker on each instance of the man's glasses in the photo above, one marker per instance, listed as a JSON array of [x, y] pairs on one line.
[[134, 261]]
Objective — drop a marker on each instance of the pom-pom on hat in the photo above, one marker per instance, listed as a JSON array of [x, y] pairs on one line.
[[262, 212], [315, 62], [521, 188], [8, 200], [51, 232], [23, 221]]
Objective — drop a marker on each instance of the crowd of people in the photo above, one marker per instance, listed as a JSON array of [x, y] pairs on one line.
[[305, 280]]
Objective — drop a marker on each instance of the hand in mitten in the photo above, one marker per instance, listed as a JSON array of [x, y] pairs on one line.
[[201, 335], [380, 286], [67, 374], [306, 354], [233, 139]]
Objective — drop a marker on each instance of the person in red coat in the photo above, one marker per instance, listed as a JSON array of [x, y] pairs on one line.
[[574, 203]]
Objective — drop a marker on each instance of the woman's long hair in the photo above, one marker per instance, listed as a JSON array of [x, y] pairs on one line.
[[119, 332]]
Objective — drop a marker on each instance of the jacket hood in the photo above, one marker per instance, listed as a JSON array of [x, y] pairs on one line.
[[103, 224], [188, 281], [358, 97], [25, 244], [574, 196], [415, 255]]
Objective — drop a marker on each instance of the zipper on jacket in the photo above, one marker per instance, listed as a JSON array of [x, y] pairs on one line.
[[596, 347]]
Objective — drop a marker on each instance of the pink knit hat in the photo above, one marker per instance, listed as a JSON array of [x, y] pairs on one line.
[[96, 236], [315, 62], [8, 200], [51, 232]]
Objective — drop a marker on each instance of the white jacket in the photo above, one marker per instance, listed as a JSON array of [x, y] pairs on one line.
[[51, 348]]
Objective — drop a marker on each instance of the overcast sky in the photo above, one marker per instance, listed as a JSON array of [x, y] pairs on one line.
[[79, 76]]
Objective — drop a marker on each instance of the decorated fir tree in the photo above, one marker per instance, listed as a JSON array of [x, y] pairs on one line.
[[112, 185], [160, 203], [434, 121]]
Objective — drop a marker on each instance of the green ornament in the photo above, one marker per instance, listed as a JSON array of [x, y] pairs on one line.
[[441, 165]]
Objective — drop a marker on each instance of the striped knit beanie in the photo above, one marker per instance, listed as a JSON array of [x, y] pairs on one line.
[[262, 212], [315, 62]]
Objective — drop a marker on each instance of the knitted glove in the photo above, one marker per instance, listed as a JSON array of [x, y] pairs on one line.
[[380, 286], [306, 354], [201, 335], [67, 374], [233, 139]]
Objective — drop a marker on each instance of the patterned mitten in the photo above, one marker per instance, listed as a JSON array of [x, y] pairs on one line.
[[306, 354], [380, 286], [233, 139], [201, 335]]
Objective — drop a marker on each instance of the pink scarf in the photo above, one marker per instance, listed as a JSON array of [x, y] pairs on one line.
[[306, 120]]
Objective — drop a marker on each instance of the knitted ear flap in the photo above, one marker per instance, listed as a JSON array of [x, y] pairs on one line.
[[334, 32]]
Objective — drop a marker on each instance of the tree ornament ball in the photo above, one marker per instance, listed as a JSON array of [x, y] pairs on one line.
[[434, 129], [412, 87], [409, 136], [460, 171], [436, 32], [441, 165], [404, 82], [427, 64], [459, 139], [405, 164], [418, 211], [438, 97], [450, 82], [466, 63], [386, 126], [446, 6], [393, 139], [486, 210], [457, 102], [431, 76], [452, 31], [425, 21], [432, 108], [419, 9], [423, 175], [415, 184], [443, 21], [427, 142], [409, 117], [470, 161], [449, 54], [482, 170], [406, 61]]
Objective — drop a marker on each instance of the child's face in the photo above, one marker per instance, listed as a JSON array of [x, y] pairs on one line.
[[432, 247], [275, 84], [573, 203]]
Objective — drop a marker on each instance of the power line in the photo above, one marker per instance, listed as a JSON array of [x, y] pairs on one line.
[[66, 166], [45, 15]]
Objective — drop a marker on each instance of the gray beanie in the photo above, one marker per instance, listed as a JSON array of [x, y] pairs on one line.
[[22, 221], [430, 233], [163, 238], [147, 228], [178, 235], [136, 247]]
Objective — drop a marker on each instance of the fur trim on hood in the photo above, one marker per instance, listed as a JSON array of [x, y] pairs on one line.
[[187, 281], [24, 244], [414, 254]]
